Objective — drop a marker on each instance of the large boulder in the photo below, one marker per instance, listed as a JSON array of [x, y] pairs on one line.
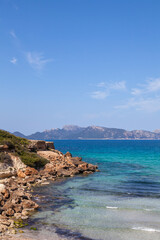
[[37, 145], [50, 155], [50, 145]]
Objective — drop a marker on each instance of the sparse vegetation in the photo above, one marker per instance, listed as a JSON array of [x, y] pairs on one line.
[[2, 157], [32, 159], [19, 147]]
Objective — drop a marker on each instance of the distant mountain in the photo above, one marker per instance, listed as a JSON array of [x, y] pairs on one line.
[[157, 131], [18, 134], [91, 132]]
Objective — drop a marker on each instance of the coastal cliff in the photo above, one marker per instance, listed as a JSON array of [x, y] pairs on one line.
[[26, 163]]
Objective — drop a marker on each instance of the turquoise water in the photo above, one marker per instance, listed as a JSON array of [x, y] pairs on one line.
[[122, 201]]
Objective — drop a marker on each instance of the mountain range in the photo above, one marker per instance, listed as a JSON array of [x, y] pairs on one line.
[[91, 132]]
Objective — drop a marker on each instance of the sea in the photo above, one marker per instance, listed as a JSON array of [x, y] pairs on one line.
[[121, 202]]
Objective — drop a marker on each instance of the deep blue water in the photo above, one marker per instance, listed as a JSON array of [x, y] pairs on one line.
[[122, 201]]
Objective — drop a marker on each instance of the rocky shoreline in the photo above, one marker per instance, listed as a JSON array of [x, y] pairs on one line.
[[16, 204]]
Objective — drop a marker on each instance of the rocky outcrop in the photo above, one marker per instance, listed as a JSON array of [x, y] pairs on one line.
[[38, 145], [15, 200], [65, 165], [10, 164], [50, 155]]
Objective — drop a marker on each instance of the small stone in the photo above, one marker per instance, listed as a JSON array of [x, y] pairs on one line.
[[68, 155], [2, 187], [45, 183]]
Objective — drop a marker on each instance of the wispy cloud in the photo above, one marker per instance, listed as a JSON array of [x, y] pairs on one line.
[[99, 94], [13, 60], [104, 89], [144, 104], [151, 86], [118, 85], [145, 97], [37, 60], [12, 33], [136, 91]]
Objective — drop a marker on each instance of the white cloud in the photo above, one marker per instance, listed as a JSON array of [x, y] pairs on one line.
[[145, 104], [13, 60], [99, 95], [151, 86], [101, 84], [136, 91], [107, 88], [118, 85], [146, 97], [12, 33], [37, 60]]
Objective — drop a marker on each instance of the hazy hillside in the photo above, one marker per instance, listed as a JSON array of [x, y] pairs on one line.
[[91, 132]]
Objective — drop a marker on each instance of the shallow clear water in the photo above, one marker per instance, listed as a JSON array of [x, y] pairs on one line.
[[122, 201]]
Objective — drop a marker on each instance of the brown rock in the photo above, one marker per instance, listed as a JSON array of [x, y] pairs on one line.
[[2, 203], [21, 174], [75, 171], [49, 169], [25, 213], [64, 173], [77, 161], [8, 205], [50, 145], [68, 155], [50, 155], [83, 167], [16, 200], [37, 145], [92, 167], [29, 204], [4, 147], [9, 212], [31, 180], [18, 215], [6, 194], [4, 221], [18, 208], [30, 171]]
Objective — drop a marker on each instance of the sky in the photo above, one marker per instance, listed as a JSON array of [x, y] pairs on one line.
[[81, 62]]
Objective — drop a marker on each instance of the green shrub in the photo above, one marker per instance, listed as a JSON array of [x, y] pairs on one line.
[[33, 160], [9, 143], [2, 157], [11, 139]]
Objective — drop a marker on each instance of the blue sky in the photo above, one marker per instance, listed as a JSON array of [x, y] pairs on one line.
[[82, 62]]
